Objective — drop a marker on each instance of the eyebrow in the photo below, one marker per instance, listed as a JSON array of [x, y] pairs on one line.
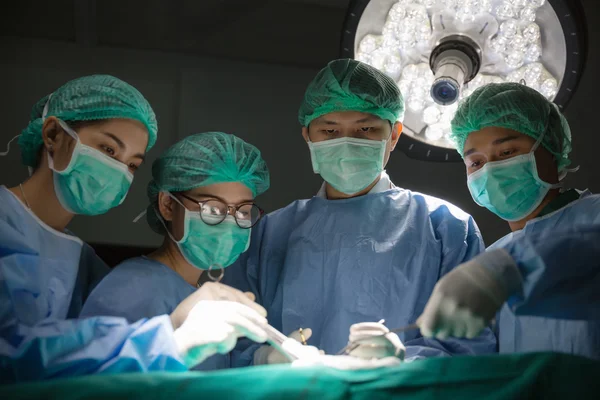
[[494, 143], [366, 119], [328, 122], [122, 145], [210, 196], [358, 121]]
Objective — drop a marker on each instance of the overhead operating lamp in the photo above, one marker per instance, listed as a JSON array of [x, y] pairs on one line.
[[440, 51]]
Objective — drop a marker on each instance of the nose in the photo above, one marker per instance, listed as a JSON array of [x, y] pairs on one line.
[[490, 158]]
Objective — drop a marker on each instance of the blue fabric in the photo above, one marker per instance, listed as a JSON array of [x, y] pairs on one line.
[[558, 309], [143, 288], [91, 271], [327, 264], [39, 273], [138, 288]]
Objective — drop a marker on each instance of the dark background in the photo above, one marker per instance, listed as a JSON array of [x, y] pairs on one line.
[[237, 66]]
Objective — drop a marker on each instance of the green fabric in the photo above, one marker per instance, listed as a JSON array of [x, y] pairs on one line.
[[527, 376], [349, 85], [517, 107], [205, 159], [94, 97], [559, 202]]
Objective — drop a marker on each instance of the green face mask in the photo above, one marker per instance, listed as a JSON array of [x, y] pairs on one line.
[[92, 183], [510, 188], [210, 246], [348, 164]]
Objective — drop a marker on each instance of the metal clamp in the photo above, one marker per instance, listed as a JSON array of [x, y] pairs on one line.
[[302, 338], [219, 268]]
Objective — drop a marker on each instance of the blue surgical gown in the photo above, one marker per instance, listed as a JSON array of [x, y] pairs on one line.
[[558, 309], [143, 288], [41, 287], [327, 264]]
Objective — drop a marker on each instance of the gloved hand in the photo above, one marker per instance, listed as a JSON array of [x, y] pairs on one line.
[[268, 354], [213, 291], [374, 340], [214, 326], [466, 299]]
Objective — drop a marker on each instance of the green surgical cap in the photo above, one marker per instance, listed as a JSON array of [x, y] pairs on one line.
[[517, 107], [88, 98], [205, 159], [349, 85]]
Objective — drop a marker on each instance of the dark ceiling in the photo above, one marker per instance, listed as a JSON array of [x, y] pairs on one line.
[[296, 32], [292, 32]]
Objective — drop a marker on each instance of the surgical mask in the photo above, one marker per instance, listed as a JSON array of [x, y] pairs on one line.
[[510, 188], [210, 246], [92, 183], [348, 164]]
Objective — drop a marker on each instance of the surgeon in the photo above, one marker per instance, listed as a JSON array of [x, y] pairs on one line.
[[202, 202], [84, 143], [544, 275], [362, 249]]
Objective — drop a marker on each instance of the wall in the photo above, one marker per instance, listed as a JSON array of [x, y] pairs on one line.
[[256, 102]]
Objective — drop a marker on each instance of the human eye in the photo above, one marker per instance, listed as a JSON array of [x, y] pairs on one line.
[[133, 167], [108, 150], [507, 152]]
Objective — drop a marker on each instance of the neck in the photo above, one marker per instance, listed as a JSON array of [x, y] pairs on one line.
[[334, 194], [169, 255], [518, 225], [42, 200]]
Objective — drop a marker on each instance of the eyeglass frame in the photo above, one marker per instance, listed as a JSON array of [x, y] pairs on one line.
[[229, 208]]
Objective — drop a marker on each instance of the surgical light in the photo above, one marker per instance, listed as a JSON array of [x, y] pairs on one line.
[[440, 51]]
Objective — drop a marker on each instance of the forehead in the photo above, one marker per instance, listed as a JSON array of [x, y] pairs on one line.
[[131, 132], [347, 117], [230, 191], [122, 125]]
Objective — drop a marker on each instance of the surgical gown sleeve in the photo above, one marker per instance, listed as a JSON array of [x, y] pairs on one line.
[[236, 276], [461, 241], [560, 271], [137, 288], [92, 269], [39, 348]]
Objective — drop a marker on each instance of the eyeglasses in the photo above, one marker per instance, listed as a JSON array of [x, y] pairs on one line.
[[213, 212]]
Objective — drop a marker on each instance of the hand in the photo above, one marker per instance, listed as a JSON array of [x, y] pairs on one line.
[[466, 299], [213, 291], [267, 355], [214, 327], [375, 341]]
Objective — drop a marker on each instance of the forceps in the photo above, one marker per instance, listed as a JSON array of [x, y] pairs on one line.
[[276, 339]]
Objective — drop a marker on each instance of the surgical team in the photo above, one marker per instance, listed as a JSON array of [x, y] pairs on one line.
[[361, 250]]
